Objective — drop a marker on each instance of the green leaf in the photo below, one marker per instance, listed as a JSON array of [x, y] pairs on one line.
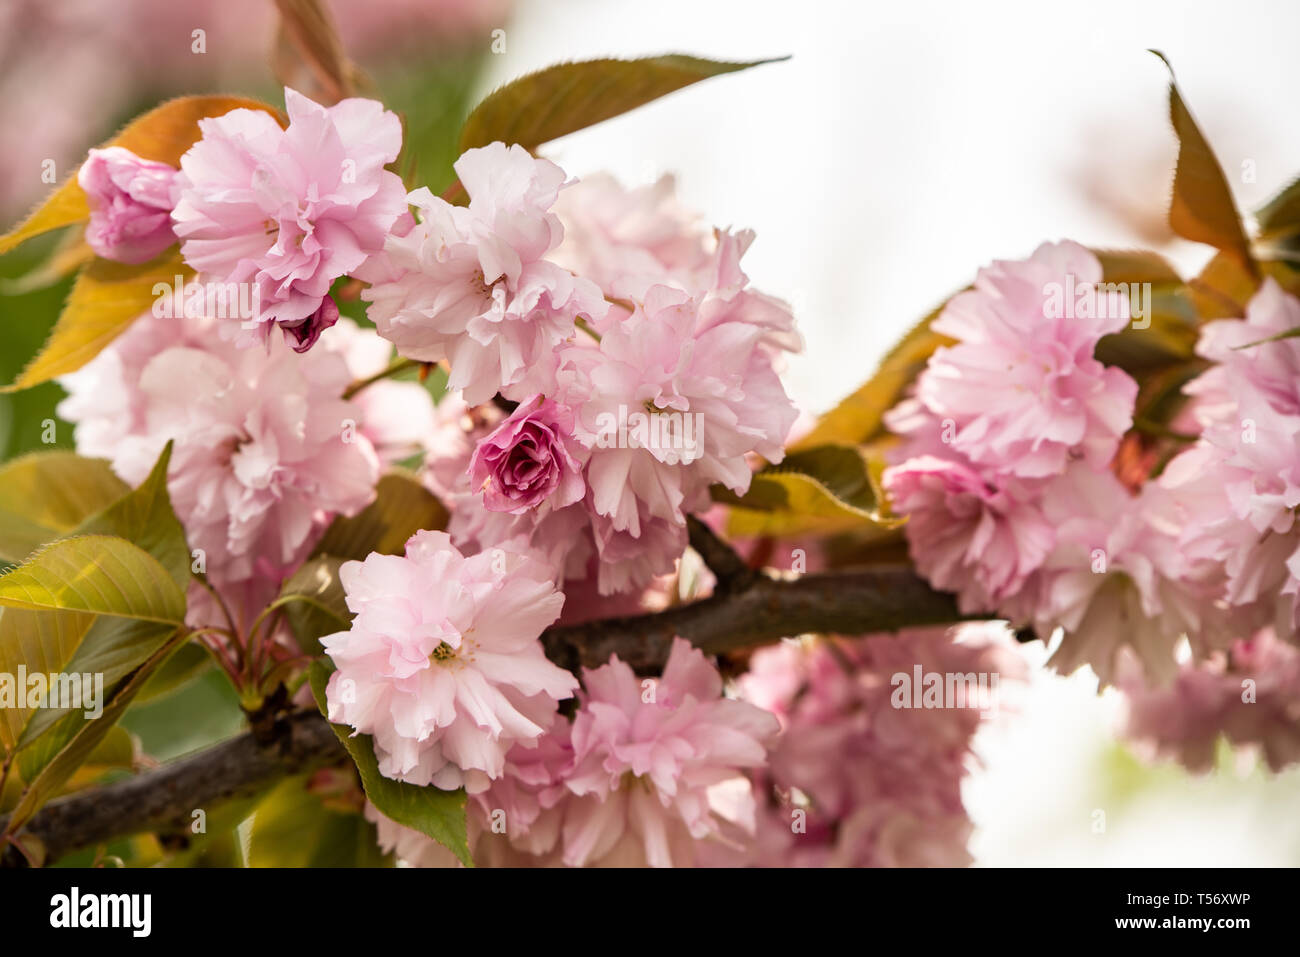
[[857, 419], [402, 507], [116, 750], [145, 518], [109, 646], [1166, 334], [435, 813], [1280, 216], [99, 574], [567, 97], [40, 641], [1222, 289], [163, 134], [189, 662], [106, 298], [293, 827], [83, 742], [830, 488], [314, 602], [46, 495], [1201, 208]]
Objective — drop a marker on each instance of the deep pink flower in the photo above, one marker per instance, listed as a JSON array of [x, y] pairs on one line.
[[131, 201], [530, 458]]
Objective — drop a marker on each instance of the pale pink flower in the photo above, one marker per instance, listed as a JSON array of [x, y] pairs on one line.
[[131, 202], [669, 408], [1249, 409], [1117, 576], [265, 453], [290, 210], [1021, 388], [626, 240], [472, 284], [978, 536], [442, 664], [1248, 695], [860, 776], [658, 764]]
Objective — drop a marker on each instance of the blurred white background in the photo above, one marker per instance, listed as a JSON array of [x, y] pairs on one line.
[[903, 146]]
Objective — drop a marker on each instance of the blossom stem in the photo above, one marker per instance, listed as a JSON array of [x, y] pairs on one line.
[[401, 365]]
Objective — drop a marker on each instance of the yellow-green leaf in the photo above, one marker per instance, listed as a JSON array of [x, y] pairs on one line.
[[402, 507], [822, 490], [561, 99], [314, 602], [110, 646], [45, 495], [98, 574], [857, 419], [89, 734], [293, 827], [106, 298]]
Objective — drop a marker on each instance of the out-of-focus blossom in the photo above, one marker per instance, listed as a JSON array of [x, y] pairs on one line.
[[264, 456], [1248, 695], [861, 775]]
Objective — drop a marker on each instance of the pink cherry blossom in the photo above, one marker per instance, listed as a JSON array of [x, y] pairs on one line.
[[442, 664], [472, 284], [1021, 387], [978, 536], [528, 459], [668, 409], [868, 782], [131, 201], [264, 454], [1247, 695], [290, 210], [658, 764]]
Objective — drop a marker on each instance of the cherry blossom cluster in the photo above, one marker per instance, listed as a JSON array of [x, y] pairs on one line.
[[568, 316], [854, 779], [1018, 494], [650, 772]]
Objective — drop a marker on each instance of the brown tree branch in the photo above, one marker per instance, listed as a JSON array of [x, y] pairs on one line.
[[759, 610], [728, 568]]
